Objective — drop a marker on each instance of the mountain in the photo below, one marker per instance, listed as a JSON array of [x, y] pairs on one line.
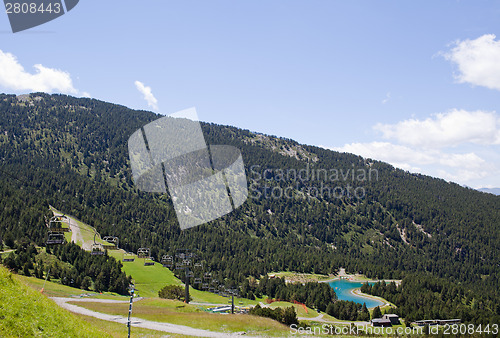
[[310, 209], [494, 191]]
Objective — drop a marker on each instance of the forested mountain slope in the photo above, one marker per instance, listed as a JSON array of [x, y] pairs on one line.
[[72, 153]]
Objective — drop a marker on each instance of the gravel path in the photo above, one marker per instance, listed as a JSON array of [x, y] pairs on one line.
[[137, 322], [76, 234]]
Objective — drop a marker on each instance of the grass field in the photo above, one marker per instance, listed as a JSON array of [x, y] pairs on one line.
[[25, 312], [117, 330], [53, 289], [86, 231], [176, 312], [150, 279]]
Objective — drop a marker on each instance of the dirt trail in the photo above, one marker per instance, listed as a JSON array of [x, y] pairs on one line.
[[76, 234], [138, 322]]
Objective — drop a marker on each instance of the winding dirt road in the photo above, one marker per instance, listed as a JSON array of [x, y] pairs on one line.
[[137, 322]]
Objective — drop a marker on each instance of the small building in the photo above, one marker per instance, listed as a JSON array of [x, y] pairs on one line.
[[221, 309], [381, 322], [392, 317]]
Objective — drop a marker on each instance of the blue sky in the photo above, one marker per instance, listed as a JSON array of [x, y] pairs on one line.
[[412, 83]]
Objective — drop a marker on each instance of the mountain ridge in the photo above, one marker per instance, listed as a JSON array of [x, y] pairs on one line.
[[494, 191], [74, 153]]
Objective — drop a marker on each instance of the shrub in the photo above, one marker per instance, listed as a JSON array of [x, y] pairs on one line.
[[173, 292]]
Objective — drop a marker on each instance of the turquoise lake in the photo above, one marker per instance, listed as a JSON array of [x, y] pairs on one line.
[[343, 290]]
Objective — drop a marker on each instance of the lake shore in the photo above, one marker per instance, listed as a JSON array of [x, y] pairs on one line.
[[357, 278], [385, 303]]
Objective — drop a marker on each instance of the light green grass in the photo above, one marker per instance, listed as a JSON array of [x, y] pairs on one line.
[[176, 312], [6, 253], [25, 312], [53, 289], [148, 280], [117, 330], [86, 230]]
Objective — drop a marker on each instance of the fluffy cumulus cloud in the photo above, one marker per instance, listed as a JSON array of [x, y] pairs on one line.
[[397, 155], [409, 158], [14, 77], [477, 61], [446, 129], [459, 146], [148, 94]]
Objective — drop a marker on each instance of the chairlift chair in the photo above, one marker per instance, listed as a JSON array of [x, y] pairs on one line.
[[143, 253], [97, 249], [128, 257], [56, 224], [113, 242], [56, 238], [149, 261], [167, 261]]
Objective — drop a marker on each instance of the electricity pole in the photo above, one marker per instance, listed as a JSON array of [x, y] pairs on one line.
[[232, 303], [130, 308], [186, 299]]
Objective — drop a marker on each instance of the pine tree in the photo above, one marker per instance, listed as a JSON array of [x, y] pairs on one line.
[[376, 313]]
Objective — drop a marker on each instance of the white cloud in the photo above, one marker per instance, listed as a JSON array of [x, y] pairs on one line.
[[406, 157], [14, 77], [148, 94], [477, 61], [387, 98], [463, 175], [446, 129], [387, 152], [451, 166]]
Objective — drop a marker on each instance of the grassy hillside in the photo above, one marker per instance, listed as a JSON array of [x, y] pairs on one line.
[[148, 280], [24, 312], [176, 312]]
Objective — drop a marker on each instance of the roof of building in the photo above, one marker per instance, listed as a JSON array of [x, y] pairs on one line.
[[380, 320]]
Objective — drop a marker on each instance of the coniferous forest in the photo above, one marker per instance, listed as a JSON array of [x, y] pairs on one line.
[[442, 239]]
